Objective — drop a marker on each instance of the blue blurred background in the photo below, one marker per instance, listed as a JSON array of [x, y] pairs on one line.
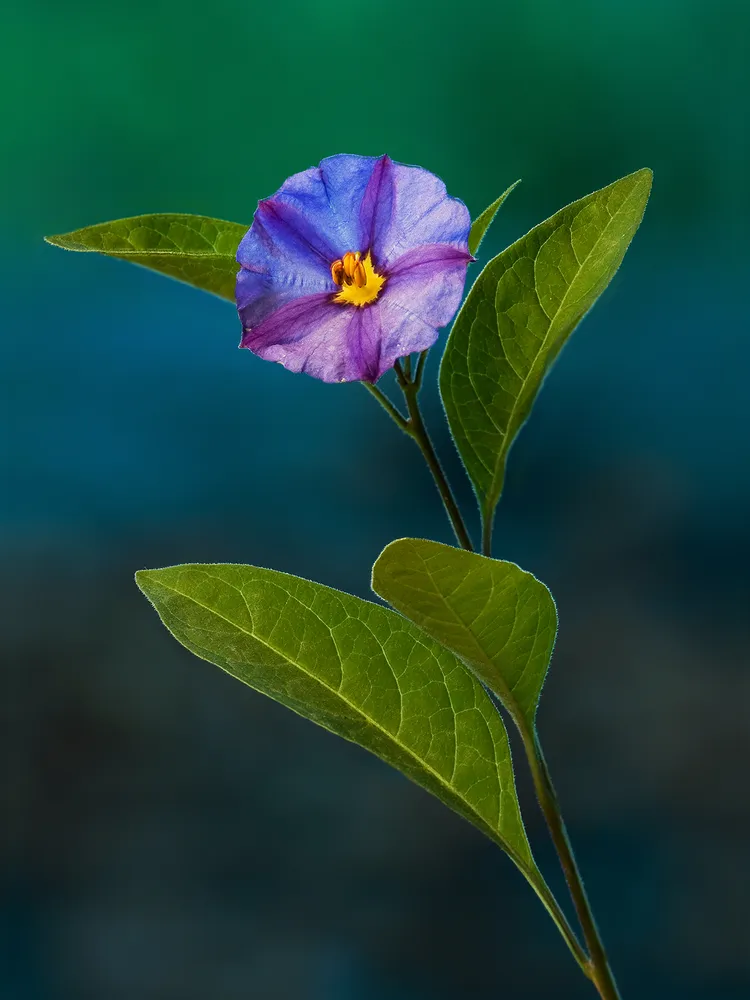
[[166, 832]]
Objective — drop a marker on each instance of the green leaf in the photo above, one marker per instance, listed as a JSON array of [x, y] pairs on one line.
[[483, 222], [498, 619], [191, 248], [501, 622], [359, 670], [364, 673], [519, 313]]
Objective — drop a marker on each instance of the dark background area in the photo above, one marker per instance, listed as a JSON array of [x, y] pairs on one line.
[[166, 832]]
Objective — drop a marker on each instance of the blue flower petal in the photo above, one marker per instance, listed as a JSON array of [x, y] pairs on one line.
[[429, 282], [417, 236], [315, 212], [312, 220], [283, 244], [424, 291], [421, 213]]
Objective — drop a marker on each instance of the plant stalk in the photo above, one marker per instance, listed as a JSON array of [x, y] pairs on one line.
[[488, 518], [559, 919], [598, 964], [595, 965], [417, 430], [388, 406], [414, 427]]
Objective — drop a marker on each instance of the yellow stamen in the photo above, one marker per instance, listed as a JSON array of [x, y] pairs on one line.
[[360, 284]]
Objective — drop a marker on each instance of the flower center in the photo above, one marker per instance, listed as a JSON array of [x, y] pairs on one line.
[[360, 283]]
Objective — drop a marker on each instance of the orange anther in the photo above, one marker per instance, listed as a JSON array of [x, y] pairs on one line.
[[337, 272], [360, 275], [350, 263]]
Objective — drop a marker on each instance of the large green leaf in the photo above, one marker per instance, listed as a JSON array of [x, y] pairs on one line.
[[357, 669], [192, 248], [482, 223], [500, 620], [364, 673], [519, 313]]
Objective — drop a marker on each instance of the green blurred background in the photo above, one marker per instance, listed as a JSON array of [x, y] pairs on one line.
[[168, 833]]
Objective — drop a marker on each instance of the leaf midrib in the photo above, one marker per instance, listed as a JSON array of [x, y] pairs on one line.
[[493, 494], [166, 253], [523, 865], [143, 253]]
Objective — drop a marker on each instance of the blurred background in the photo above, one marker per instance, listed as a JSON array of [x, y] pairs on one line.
[[166, 832]]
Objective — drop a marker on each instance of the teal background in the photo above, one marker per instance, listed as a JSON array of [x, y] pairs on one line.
[[166, 832]]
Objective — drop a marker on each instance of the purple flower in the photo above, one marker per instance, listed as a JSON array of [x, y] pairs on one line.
[[351, 265]]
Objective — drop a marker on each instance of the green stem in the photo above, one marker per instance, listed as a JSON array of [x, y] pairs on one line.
[[487, 520], [595, 965], [388, 406], [417, 430], [420, 368], [598, 965], [560, 920]]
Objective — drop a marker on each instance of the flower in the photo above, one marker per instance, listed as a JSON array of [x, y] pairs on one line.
[[350, 266]]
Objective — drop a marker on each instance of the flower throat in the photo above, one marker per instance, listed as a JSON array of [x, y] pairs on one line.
[[360, 283]]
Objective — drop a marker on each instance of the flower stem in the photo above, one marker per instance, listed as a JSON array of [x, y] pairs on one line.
[[388, 406], [420, 368], [598, 969], [415, 428]]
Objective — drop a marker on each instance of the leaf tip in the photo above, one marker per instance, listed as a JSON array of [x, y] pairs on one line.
[[382, 565], [66, 241], [377, 566], [482, 223], [644, 176], [145, 578]]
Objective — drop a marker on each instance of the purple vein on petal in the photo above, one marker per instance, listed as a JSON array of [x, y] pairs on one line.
[[365, 341], [376, 211], [431, 257], [292, 322], [288, 225]]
